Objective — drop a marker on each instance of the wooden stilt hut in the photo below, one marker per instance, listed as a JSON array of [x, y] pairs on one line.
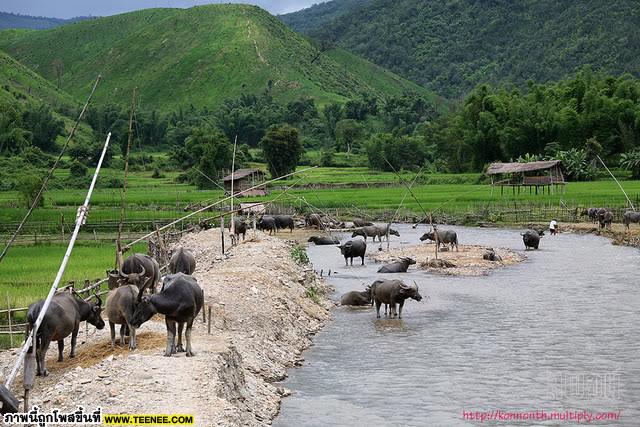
[[535, 175]]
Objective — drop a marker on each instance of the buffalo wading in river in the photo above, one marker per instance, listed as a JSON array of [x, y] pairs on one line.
[[400, 266], [393, 292], [353, 249]]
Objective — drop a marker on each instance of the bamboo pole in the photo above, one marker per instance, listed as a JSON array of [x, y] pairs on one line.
[[232, 225], [123, 193], [10, 324], [36, 200], [617, 182], [80, 220], [128, 246]]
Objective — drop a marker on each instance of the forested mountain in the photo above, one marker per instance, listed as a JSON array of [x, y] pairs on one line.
[[198, 56], [452, 46], [314, 17], [14, 20]]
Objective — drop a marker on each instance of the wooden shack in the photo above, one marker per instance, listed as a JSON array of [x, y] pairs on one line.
[[243, 179], [539, 175]]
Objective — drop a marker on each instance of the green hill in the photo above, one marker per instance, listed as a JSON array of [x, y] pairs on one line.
[[14, 20], [452, 46], [21, 85], [197, 56]]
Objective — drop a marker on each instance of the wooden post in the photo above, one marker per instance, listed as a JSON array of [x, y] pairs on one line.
[[222, 231], [10, 324], [204, 316], [209, 322]]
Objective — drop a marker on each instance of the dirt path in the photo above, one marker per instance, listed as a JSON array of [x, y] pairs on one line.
[[262, 322]]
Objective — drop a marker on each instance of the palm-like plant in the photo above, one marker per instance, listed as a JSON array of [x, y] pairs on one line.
[[631, 161]]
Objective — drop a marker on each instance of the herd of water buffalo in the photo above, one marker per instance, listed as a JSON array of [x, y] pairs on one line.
[[132, 302], [134, 298]]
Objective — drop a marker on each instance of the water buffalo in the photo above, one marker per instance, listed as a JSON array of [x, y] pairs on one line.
[[531, 239], [182, 261], [139, 270], [180, 301], [445, 237], [267, 223], [592, 213], [490, 255], [400, 266], [605, 219], [313, 220], [352, 249], [358, 222], [121, 304], [62, 319], [358, 298], [324, 240], [239, 227], [374, 231], [629, 217], [284, 221], [393, 292]]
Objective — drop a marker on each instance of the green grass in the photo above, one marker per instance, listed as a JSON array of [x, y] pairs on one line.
[[197, 56], [26, 274]]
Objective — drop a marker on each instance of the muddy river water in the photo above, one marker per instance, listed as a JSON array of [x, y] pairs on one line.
[[559, 332]]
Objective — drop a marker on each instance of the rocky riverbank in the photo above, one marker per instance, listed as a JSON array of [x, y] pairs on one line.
[[618, 233], [265, 309]]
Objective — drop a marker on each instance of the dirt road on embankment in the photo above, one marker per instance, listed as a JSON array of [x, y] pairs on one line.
[[262, 321]]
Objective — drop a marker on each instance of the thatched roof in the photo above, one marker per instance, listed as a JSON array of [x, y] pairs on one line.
[[242, 173], [497, 168]]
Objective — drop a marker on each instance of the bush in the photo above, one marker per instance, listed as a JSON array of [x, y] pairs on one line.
[[299, 255], [77, 169], [28, 186]]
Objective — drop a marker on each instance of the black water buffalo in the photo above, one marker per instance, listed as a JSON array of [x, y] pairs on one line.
[[374, 231], [400, 266], [358, 222], [284, 221], [182, 261], [239, 227], [531, 239], [139, 270], [324, 240], [445, 237], [393, 292], [62, 319], [121, 304], [352, 249], [605, 219], [630, 217], [592, 213], [180, 301], [267, 223], [359, 298], [313, 220]]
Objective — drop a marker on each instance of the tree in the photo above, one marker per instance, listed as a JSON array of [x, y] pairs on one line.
[[348, 135], [404, 152], [28, 186], [13, 137], [282, 149], [43, 125], [209, 150], [58, 70], [631, 161], [332, 113]]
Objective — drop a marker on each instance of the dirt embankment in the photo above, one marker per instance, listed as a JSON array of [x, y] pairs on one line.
[[467, 261], [262, 321], [618, 233]]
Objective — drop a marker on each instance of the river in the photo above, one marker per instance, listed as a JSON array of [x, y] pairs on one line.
[[558, 332]]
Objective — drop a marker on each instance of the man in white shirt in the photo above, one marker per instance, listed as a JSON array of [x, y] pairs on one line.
[[553, 226]]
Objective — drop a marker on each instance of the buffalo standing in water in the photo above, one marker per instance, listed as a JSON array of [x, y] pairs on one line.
[[444, 237], [267, 223], [531, 239], [375, 231], [393, 292], [352, 249]]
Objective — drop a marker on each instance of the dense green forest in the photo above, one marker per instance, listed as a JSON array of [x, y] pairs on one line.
[[198, 56], [453, 46], [314, 17]]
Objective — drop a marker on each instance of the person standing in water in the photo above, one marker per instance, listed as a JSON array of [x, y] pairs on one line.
[[553, 227]]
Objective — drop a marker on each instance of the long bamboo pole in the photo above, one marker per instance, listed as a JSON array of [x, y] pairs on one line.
[[53, 168], [128, 246], [81, 217], [617, 182]]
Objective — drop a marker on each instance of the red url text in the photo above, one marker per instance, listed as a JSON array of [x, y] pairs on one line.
[[580, 417]]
